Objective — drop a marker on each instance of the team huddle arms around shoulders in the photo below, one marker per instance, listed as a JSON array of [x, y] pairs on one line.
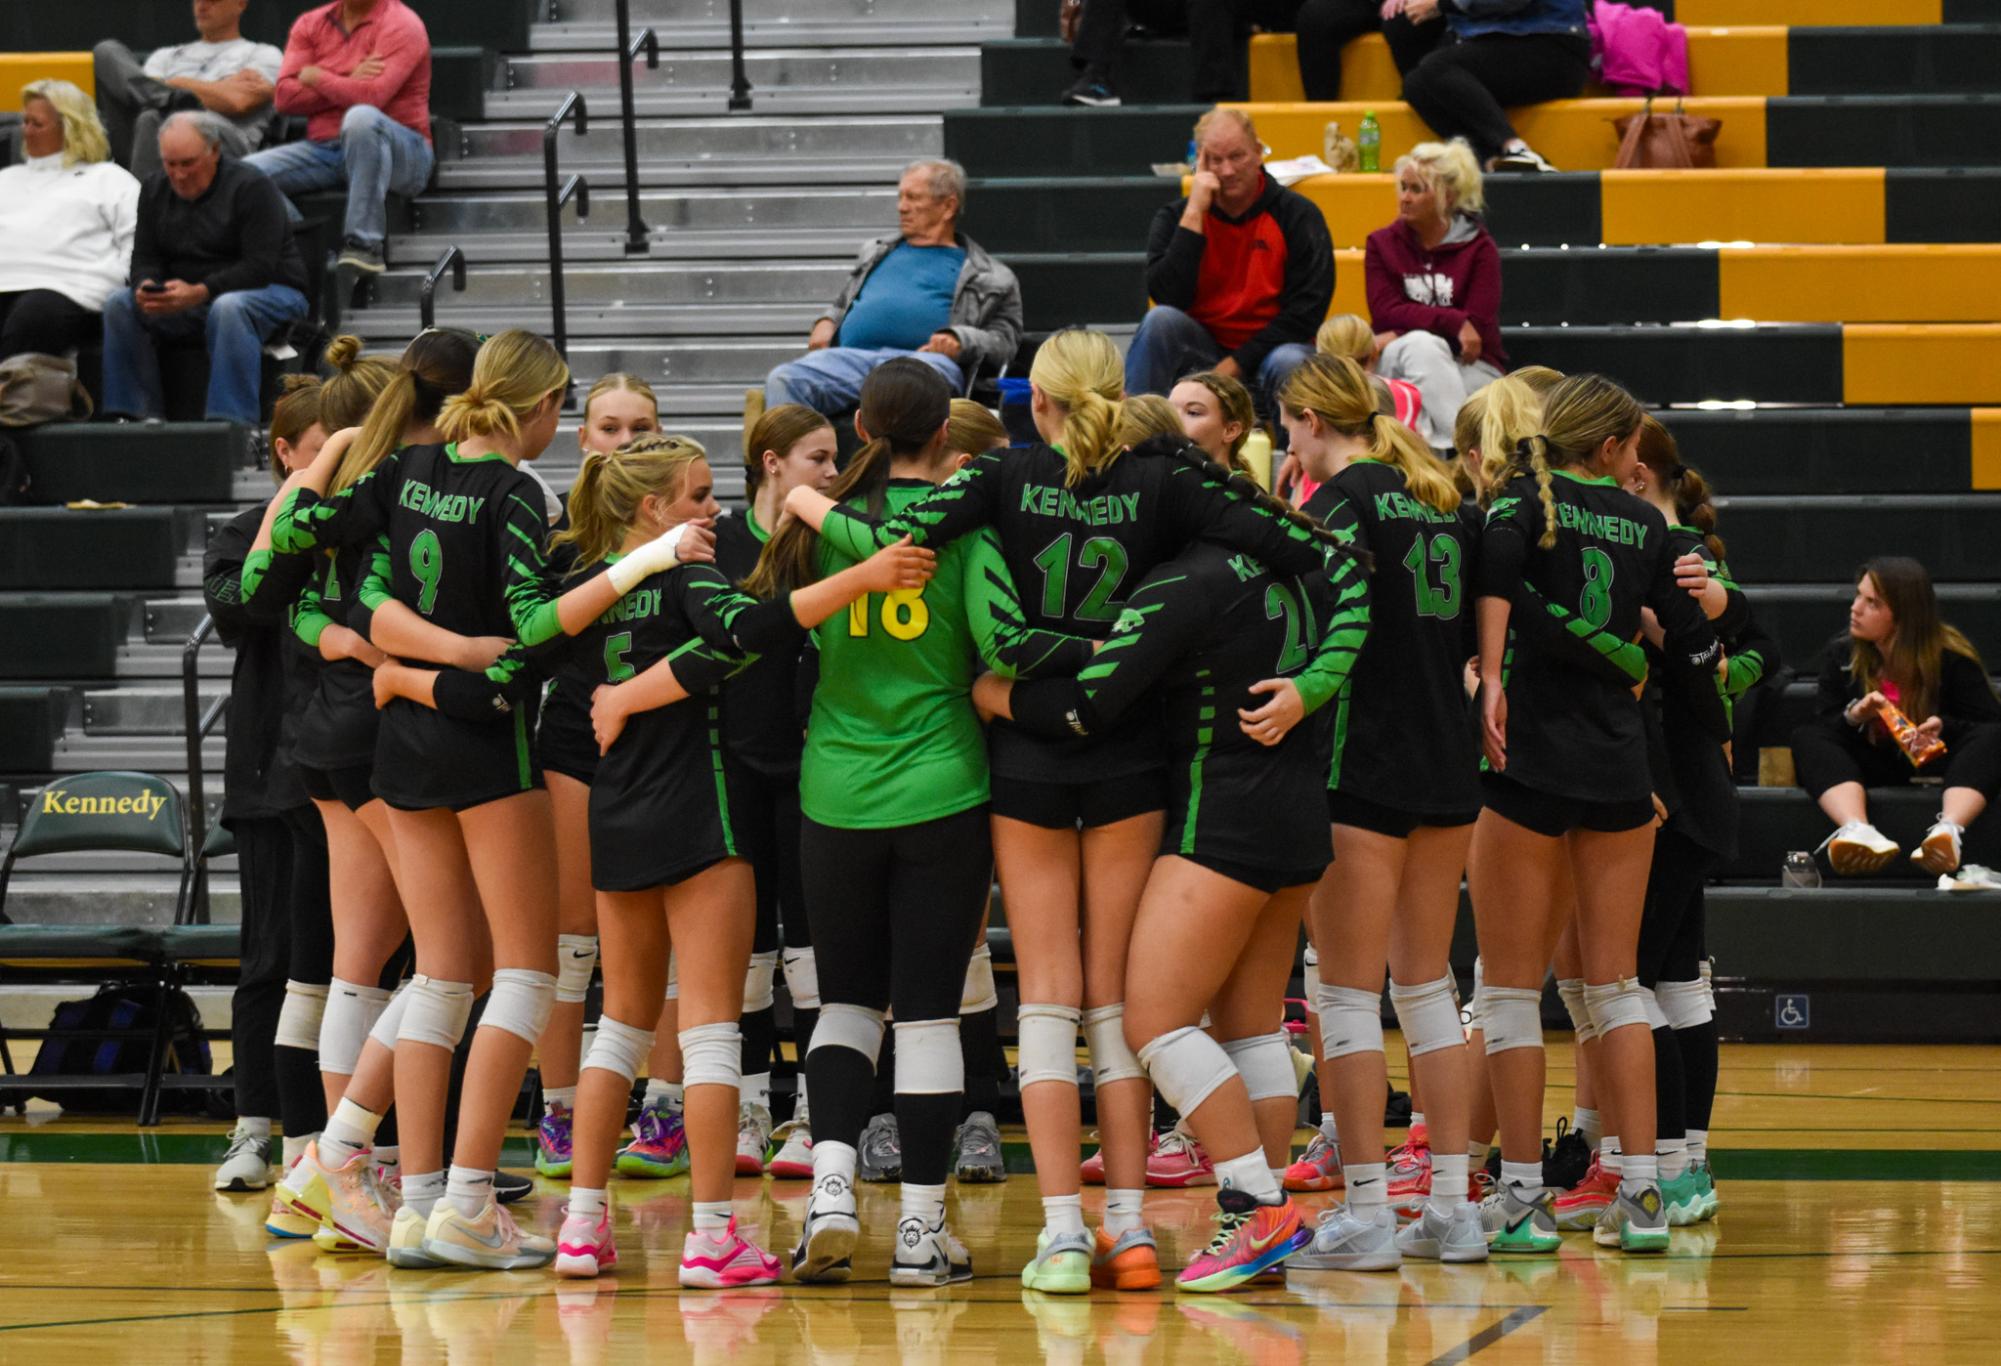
[[630, 732]]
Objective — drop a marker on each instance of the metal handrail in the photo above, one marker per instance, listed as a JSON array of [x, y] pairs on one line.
[[573, 103], [453, 260], [636, 243], [739, 78], [198, 725]]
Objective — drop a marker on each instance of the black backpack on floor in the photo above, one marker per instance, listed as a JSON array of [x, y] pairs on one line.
[[78, 1046]]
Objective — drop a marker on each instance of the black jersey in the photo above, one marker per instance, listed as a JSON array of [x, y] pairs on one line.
[[1571, 731], [564, 742], [1203, 628], [1402, 734], [1076, 552], [248, 594], [761, 727], [338, 720]]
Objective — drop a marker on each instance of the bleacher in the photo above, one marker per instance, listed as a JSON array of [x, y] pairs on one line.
[[1821, 311]]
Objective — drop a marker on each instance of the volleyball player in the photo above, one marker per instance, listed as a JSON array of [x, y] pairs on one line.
[[1075, 827], [896, 887], [1403, 793], [1244, 841], [1569, 781]]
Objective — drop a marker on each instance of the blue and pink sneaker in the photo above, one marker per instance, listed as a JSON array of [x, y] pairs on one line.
[[1250, 1239], [659, 1146], [552, 1143], [726, 1261]]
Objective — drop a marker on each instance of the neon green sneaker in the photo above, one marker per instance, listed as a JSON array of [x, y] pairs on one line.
[[1683, 1196], [1636, 1221], [1707, 1182], [1061, 1265], [1516, 1225]]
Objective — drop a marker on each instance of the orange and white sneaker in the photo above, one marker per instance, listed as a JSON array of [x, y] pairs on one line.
[[1179, 1162], [1578, 1208], [1859, 847], [360, 1210], [487, 1241], [1319, 1167], [1130, 1261], [1409, 1173], [1250, 1238]]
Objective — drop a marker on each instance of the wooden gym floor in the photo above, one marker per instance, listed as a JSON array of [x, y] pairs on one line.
[[1861, 1221]]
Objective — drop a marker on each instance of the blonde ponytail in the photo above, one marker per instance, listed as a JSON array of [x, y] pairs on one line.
[[1080, 371], [515, 371], [610, 486], [1340, 393], [1508, 412]]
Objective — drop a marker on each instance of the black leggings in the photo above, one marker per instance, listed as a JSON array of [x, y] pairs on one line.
[[287, 933], [894, 915], [1327, 26], [1211, 26], [768, 821], [1672, 946], [1828, 752], [1463, 88], [45, 321]]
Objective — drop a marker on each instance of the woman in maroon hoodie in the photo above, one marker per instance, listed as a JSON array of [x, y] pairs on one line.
[[1434, 285]]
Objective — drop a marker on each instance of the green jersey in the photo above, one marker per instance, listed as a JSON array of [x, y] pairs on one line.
[[893, 739]]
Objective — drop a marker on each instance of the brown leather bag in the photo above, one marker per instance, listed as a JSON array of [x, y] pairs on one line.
[[1666, 141]]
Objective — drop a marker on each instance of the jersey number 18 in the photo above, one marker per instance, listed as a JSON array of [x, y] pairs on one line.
[[904, 614]]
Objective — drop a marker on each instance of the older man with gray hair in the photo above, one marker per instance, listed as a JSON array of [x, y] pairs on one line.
[[929, 292], [214, 258]]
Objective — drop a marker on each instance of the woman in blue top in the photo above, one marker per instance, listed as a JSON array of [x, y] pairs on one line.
[[1491, 56]]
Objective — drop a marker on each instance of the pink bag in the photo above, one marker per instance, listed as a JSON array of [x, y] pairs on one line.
[[1639, 52]]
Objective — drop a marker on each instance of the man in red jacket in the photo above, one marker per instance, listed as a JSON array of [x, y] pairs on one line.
[[1241, 271]]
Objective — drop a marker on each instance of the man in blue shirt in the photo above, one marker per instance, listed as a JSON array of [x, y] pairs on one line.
[[929, 292]]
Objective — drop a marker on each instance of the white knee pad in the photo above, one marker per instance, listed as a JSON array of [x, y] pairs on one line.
[[1309, 975], [928, 1060], [300, 1016], [1686, 1004], [434, 1012], [673, 978], [1512, 1016], [619, 1049], [1186, 1065], [802, 978], [1351, 1021], [757, 981], [520, 1003], [352, 1011], [979, 993], [388, 1025], [1571, 989], [712, 1055], [1105, 1035], [1617, 1005], [1048, 1051], [1428, 1016], [846, 1026], [576, 960], [1264, 1061]]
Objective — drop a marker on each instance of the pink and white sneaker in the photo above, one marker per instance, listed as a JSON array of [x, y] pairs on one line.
[[1178, 1161], [725, 1262], [584, 1247]]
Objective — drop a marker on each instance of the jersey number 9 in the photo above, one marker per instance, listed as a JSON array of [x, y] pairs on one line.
[[905, 616], [427, 562]]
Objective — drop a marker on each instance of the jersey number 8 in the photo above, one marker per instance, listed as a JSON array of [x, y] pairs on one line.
[[1594, 604], [905, 616]]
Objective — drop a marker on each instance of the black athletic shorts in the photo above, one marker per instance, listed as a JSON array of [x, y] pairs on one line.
[[348, 786], [1089, 804], [564, 741], [426, 761], [1548, 814], [1266, 880], [1363, 814]]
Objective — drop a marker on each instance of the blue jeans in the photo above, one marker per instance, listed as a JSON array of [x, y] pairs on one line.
[[830, 380], [1170, 344], [374, 156], [235, 326]]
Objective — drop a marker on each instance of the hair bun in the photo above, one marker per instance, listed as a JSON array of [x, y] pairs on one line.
[[342, 352]]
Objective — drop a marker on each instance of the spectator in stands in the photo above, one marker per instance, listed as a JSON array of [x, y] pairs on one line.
[[221, 71], [1434, 286], [1896, 650], [1096, 31], [66, 223], [929, 292], [1491, 56], [1325, 27], [360, 70], [1240, 271], [215, 259]]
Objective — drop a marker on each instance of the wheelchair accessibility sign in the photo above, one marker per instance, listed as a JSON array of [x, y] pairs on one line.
[[1792, 1012]]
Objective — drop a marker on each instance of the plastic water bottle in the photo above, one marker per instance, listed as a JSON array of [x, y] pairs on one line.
[[1800, 870], [1369, 142], [1257, 455]]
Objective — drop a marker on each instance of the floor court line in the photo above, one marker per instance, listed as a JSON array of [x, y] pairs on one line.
[[1492, 1334]]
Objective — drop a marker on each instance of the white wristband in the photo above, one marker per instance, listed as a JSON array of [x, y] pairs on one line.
[[642, 564]]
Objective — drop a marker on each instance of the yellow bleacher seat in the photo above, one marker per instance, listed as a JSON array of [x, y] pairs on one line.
[[1766, 204], [1987, 448], [1916, 363], [1824, 13], [23, 68], [1948, 283]]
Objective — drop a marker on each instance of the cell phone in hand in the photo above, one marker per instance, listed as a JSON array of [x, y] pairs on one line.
[[152, 287]]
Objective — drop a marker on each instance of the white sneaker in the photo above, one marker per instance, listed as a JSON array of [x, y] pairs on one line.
[[247, 1164], [753, 1136], [928, 1256], [1445, 1237], [828, 1235], [794, 1159], [1344, 1242], [1859, 847], [1938, 852]]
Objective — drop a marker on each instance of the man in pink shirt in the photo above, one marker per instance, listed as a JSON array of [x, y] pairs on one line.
[[360, 70]]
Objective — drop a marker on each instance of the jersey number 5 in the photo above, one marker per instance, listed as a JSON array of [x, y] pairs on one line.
[[427, 562], [1101, 553], [1441, 601], [905, 616]]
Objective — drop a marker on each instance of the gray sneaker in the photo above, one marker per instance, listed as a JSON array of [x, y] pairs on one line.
[[1635, 1221], [1514, 1224], [247, 1164], [977, 1146], [1345, 1242], [880, 1156], [1437, 1237]]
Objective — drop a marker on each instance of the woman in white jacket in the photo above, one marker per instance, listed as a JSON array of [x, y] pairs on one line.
[[67, 216]]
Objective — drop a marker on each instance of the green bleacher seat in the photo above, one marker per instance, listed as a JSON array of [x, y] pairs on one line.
[[62, 635], [175, 462], [115, 548]]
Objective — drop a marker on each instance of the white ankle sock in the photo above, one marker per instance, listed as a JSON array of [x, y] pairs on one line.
[[1249, 1174], [1328, 1127], [1063, 1214], [1672, 1154], [552, 1096], [422, 1193], [1368, 1188], [295, 1146], [1416, 1118], [834, 1162], [254, 1125], [1449, 1178], [1698, 1146], [1638, 1168], [349, 1131], [1589, 1125], [924, 1202], [664, 1095], [469, 1188], [756, 1089], [1122, 1211], [1609, 1156], [588, 1204], [1524, 1177], [712, 1216]]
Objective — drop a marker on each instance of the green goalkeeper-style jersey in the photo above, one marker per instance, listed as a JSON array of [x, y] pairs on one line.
[[893, 739]]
